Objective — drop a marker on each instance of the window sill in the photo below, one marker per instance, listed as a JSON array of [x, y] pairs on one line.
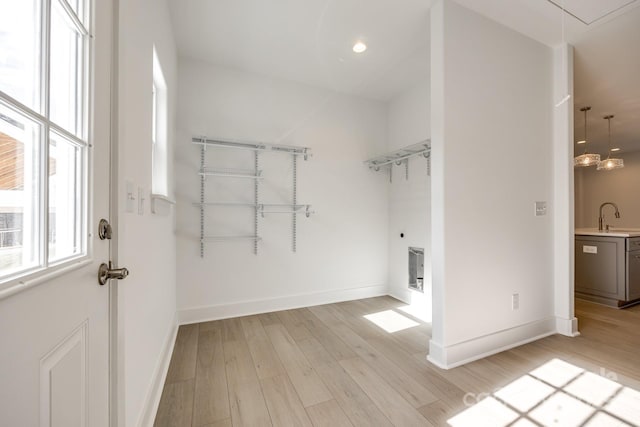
[[42, 275], [160, 203]]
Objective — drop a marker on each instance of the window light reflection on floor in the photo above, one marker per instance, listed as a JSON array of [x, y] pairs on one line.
[[391, 321], [557, 393]]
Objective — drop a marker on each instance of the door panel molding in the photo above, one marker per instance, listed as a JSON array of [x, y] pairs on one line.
[[64, 381]]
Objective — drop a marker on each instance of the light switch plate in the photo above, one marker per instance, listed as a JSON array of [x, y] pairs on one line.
[[129, 203], [141, 201], [540, 208]]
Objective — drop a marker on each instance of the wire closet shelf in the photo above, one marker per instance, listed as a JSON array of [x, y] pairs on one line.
[[385, 162], [256, 175]]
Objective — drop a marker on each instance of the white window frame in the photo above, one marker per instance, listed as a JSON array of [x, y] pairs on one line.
[[44, 267], [159, 131]]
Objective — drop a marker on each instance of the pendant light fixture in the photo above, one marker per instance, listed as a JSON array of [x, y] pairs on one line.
[[609, 163], [586, 159]]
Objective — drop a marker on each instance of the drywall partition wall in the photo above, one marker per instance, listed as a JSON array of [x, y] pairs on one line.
[[341, 250], [146, 242], [409, 211], [562, 211], [619, 186], [491, 129]]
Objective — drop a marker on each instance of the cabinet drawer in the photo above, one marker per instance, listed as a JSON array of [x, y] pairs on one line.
[[633, 244]]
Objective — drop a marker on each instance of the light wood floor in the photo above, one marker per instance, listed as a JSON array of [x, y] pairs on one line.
[[329, 366]]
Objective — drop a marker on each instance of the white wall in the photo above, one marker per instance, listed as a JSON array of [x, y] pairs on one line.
[[146, 243], [409, 200], [619, 186], [491, 122], [342, 249]]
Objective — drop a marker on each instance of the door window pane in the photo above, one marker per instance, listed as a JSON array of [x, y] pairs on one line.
[[43, 219], [65, 198], [66, 71], [20, 50], [19, 184]]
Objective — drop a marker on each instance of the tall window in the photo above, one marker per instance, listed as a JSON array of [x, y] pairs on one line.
[[159, 180], [44, 69]]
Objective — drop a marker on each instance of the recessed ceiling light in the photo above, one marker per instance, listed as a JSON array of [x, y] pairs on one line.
[[581, 142], [615, 149], [359, 47]]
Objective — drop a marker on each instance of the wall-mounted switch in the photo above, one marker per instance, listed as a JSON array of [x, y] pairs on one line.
[[140, 201], [540, 208], [515, 301], [129, 203]]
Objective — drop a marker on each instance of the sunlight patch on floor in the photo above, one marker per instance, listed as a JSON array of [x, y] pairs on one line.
[[557, 393], [488, 412], [420, 306], [391, 321]]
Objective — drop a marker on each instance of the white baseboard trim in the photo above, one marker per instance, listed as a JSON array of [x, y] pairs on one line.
[[403, 295], [481, 347], [567, 327], [226, 311], [152, 400]]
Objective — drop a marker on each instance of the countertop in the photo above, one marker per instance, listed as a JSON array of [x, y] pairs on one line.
[[613, 232]]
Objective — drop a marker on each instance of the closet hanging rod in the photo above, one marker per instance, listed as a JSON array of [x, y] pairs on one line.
[[421, 148], [222, 238], [307, 213], [295, 209], [231, 173], [284, 205], [204, 204], [255, 146]]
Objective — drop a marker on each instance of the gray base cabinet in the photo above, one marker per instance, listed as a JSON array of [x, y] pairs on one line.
[[607, 269]]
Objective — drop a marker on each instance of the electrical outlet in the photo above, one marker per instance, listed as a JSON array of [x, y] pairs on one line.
[[540, 208], [515, 301]]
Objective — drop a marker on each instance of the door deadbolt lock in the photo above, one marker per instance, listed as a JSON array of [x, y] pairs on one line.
[[104, 230], [106, 272]]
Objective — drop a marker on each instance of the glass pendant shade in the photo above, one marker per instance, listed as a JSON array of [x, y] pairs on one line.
[[584, 160], [610, 164]]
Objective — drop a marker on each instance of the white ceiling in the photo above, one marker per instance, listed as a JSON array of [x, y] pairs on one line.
[[607, 78], [542, 19], [310, 41]]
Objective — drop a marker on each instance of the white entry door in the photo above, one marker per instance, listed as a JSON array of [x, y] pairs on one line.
[[55, 69]]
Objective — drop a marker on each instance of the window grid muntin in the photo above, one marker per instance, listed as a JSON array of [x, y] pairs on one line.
[[47, 126]]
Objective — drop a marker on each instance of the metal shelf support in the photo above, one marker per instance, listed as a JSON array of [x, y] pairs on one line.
[[256, 198], [256, 174], [202, 178], [295, 202], [305, 152]]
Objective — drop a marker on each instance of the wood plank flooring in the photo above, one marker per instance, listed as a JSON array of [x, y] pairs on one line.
[[329, 366]]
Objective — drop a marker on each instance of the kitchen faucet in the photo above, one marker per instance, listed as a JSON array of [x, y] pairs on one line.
[[601, 217]]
